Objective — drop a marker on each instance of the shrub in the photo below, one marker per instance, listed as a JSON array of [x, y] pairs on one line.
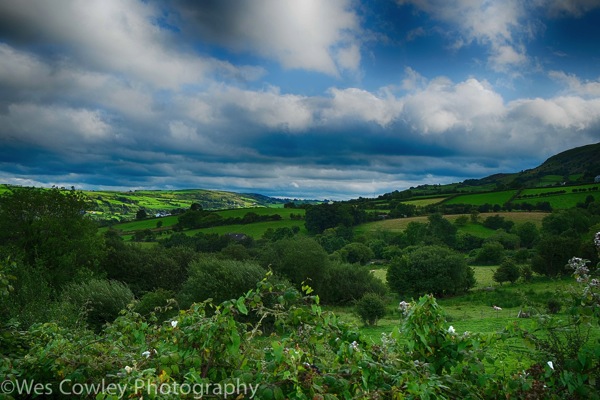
[[490, 253], [370, 308], [346, 283], [100, 300], [430, 269], [220, 280], [553, 306], [356, 253], [508, 271]]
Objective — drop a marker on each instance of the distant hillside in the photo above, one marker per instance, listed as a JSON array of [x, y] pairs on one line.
[[123, 206], [579, 165]]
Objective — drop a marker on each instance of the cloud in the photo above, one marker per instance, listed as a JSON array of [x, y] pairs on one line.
[[110, 37], [497, 25], [576, 85], [309, 34]]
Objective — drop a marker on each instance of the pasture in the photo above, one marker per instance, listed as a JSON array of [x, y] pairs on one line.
[[479, 199], [397, 225]]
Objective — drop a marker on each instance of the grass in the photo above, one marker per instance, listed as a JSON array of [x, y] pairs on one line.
[[473, 312], [480, 199], [256, 230], [399, 224]]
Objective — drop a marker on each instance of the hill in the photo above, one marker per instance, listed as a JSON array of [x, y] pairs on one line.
[[577, 166], [118, 206]]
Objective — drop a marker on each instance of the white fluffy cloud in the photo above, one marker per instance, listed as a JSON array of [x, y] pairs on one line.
[[310, 34], [495, 24]]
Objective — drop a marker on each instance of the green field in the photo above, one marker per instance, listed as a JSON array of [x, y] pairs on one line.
[[558, 201], [480, 199], [400, 224], [425, 201], [255, 230]]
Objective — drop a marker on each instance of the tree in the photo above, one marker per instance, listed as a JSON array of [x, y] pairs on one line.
[[508, 271], [49, 229], [220, 280], [553, 253], [298, 259], [528, 233], [430, 269], [356, 253], [370, 308], [347, 283], [141, 214], [442, 229], [491, 252]]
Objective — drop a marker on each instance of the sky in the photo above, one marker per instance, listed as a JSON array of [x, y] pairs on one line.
[[318, 99]]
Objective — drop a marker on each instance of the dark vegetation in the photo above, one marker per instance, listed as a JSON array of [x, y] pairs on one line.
[[189, 304]]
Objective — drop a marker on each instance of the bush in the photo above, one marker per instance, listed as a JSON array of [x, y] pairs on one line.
[[346, 283], [490, 253], [430, 269], [356, 253], [370, 308], [159, 302], [508, 271], [220, 280], [100, 300], [553, 306]]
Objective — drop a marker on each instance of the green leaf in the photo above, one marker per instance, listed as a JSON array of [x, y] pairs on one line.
[[241, 306]]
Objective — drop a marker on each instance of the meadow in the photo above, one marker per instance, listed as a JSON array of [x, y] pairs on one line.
[[397, 225]]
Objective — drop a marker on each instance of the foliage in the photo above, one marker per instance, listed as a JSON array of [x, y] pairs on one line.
[[553, 253], [508, 271], [219, 280], [48, 227], [491, 253], [347, 283], [298, 259], [356, 253], [498, 222], [430, 269], [99, 300], [370, 308]]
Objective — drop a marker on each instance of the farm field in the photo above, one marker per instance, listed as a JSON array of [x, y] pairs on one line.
[[399, 224], [426, 201], [255, 230], [480, 199]]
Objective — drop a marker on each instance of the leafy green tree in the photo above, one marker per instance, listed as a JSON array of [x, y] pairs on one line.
[[553, 253], [370, 308], [508, 271], [356, 253], [498, 222], [430, 269], [491, 252], [442, 230], [141, 214], [49, 228], [220, 280], [298, 259], [528, 233], [347, 283]]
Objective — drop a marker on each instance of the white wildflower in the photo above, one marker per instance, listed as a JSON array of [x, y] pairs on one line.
[[128, 369], [451, 330], [174, 324], [354, 346], [146, 354], [551, 365]]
